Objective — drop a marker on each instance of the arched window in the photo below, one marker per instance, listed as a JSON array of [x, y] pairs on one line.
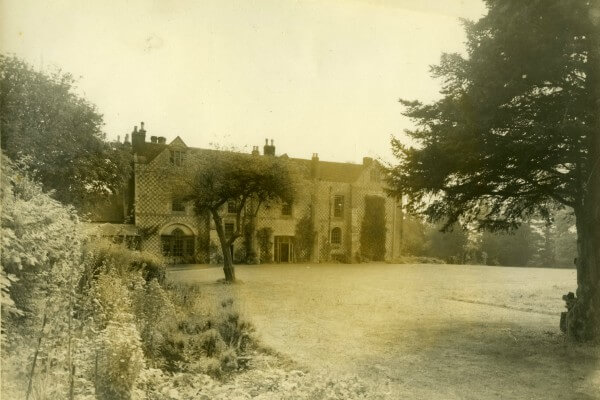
[[178, 244], [177, 249], [336, 236]]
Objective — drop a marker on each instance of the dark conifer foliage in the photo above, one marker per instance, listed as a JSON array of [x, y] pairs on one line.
[[516, 132]]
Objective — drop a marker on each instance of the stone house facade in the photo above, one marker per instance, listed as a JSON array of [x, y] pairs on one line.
[[333, 198]]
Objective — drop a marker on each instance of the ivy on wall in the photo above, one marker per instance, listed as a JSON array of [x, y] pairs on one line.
[[264, 235], [305, 237], [373, 230]]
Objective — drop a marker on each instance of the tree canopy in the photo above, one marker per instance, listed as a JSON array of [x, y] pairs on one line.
[[516, 132], [216, 179], [47, 127]]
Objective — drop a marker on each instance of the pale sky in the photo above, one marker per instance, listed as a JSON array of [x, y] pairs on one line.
[[316, 76]]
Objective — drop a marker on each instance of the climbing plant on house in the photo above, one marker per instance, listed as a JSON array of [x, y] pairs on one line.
[[305, 237], [373, 230]]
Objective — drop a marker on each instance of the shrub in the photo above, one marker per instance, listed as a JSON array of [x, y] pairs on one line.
[[417, 260], [120, 360], [212, 343], [264, 235], [103, 255], [155, 318], [41, 263], [234, 330], [214, 253]]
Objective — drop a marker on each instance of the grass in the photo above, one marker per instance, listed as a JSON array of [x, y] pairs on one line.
[[427, 331]]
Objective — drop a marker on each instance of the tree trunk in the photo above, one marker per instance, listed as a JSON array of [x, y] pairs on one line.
[[583, 318], [228, 268]]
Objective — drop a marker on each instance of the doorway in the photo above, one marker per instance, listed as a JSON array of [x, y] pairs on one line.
[[284, 249]]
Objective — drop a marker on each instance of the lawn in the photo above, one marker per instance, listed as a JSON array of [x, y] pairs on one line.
[[423, 331]]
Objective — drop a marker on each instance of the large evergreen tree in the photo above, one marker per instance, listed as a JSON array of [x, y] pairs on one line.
[[516, 132]]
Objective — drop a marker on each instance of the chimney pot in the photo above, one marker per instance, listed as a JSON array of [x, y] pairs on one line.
[[135, 128], [162, 140], [126, 138], [272, 142], [142, 126], [153, 139]]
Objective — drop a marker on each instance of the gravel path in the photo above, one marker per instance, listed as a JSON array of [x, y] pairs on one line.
[[429, 331]]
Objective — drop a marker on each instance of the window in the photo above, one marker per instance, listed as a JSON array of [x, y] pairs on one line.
[[177, 244], [286, 208], [375, 174], [338, 206], [176, 157], [231, 207], [177, 249], [229, 228], [177, 205], [336, 236]]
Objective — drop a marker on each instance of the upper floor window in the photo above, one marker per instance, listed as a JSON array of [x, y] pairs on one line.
[[336, 236], [286, 208], [229, 229], [231, 207], [375, 174], [176, 157], [338, 206], [177, 204]]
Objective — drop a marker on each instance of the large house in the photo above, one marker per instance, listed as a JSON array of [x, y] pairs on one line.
[[350, 216]]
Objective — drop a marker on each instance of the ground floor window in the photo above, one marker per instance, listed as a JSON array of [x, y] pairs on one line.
[[336, 236], [177, 244]]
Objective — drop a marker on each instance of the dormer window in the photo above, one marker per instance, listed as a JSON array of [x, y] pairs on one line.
[[176, 157]]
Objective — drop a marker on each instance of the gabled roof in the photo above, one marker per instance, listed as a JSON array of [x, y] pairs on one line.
[[178, 142], [151, 150]]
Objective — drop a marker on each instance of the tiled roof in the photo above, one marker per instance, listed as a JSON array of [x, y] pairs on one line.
[[328, 170], [333, 171], [151, 150]]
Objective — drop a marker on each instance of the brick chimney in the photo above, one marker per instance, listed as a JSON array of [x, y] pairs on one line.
[[314, 166], [138, 138], [255, 151], [269, 150]]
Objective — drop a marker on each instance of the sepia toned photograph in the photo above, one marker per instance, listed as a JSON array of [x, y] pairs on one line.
[[300, 199]]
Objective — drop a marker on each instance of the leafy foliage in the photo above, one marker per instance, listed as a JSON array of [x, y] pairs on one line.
[[305, 235], [120, 361], [41, 259], [264, 236], [57, 135], [517, 248]]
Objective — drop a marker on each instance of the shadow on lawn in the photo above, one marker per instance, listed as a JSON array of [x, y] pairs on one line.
[[473, 360]]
